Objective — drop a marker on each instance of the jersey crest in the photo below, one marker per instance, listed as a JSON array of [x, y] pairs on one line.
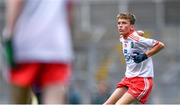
[[132, 45]]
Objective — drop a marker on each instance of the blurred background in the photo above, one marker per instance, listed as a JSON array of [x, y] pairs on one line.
[[99, 63]]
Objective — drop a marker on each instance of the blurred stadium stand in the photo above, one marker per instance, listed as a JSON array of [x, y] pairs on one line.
[[97, 48]]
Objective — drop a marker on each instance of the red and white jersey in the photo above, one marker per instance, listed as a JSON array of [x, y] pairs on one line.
[[136, 43]]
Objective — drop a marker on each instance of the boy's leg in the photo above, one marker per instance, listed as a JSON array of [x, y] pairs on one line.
[[139, 90], [127, 98], [117, 94], [20, 95], [55, 82], [54, 94], [21, 78]]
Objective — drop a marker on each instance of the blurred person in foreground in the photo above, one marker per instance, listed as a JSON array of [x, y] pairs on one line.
[[42, 49], [138, 81]]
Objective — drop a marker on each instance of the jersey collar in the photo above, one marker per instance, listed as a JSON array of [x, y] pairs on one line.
[[127, 35]]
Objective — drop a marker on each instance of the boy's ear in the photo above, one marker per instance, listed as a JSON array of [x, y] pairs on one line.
[[132, 27]]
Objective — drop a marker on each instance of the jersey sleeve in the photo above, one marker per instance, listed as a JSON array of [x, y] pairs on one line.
[[148, 42]]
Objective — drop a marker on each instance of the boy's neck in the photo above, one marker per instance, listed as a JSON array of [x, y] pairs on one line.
[[126, 36]]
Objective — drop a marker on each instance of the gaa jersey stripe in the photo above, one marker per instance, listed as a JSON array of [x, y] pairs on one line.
[[134, 38], [146, 87]]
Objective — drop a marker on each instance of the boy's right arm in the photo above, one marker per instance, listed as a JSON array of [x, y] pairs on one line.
[[13, 10], [139, 57], [155, 49]]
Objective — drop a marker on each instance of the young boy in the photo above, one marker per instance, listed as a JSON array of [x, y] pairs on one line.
[[138, 81]]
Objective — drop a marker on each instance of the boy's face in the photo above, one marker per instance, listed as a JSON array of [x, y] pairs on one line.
[[124, 27]]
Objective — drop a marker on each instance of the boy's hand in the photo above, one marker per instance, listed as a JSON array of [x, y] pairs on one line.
[[139, 57]]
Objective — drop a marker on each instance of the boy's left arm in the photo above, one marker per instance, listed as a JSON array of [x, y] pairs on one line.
[[155, 49], [139, 57]]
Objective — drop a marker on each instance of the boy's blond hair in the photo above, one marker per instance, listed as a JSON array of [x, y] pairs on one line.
[[128, 16]]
